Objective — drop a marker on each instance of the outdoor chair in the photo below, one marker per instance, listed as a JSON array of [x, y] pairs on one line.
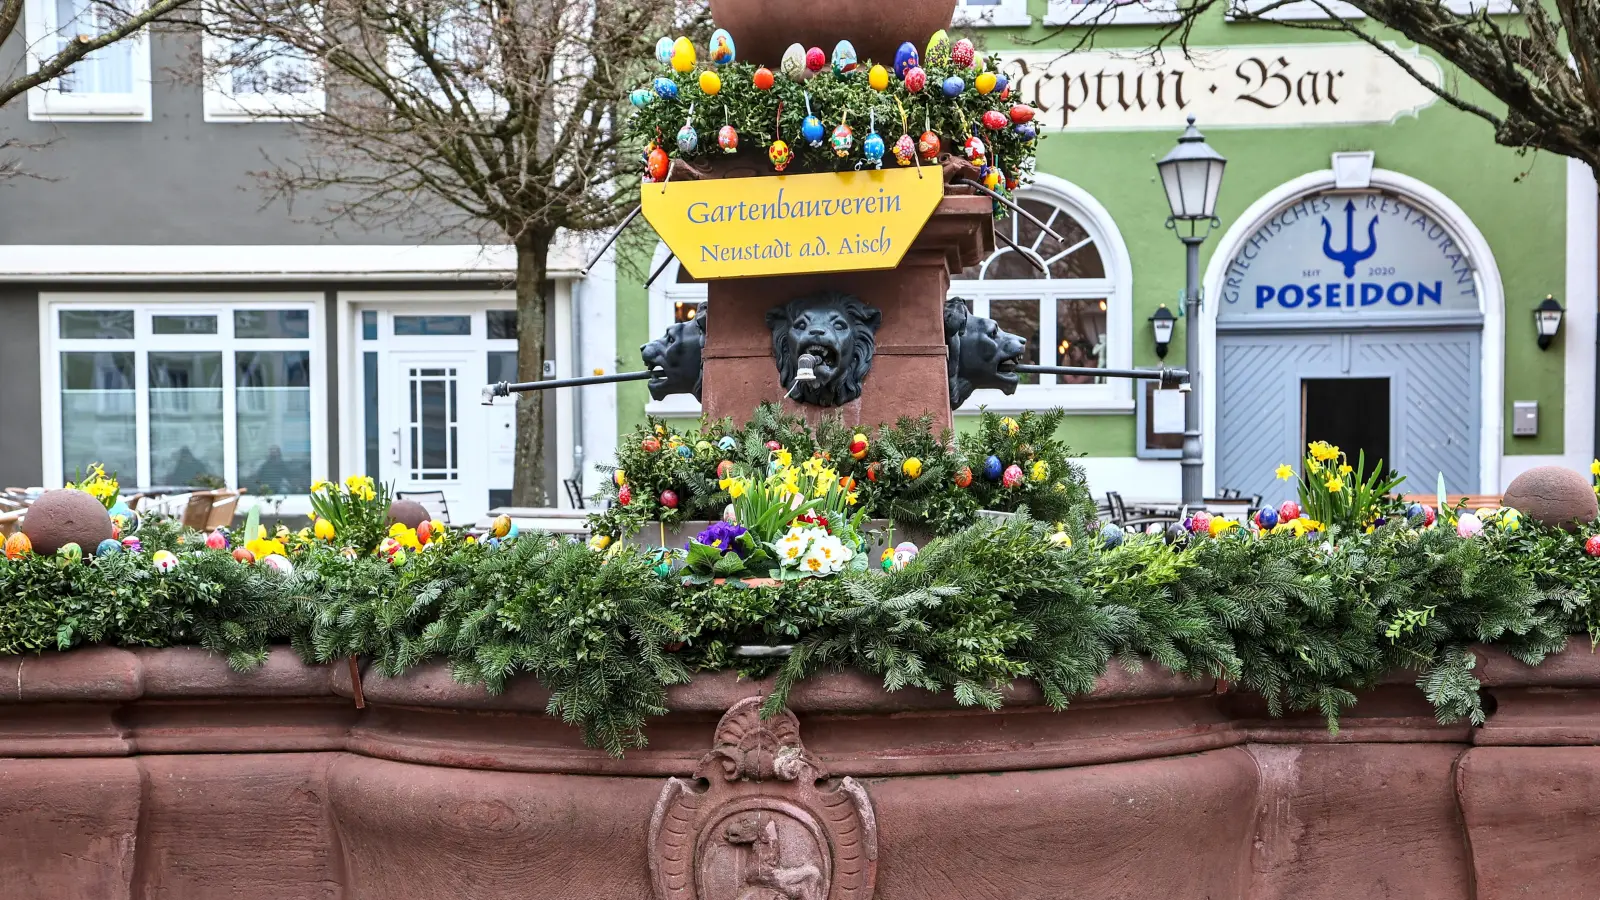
[[574, 491], [432, 501], [1120, 517], [224, 504]]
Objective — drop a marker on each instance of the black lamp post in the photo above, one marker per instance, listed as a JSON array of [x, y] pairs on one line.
[[1161, 326], [1192, 176], [1547, 319]]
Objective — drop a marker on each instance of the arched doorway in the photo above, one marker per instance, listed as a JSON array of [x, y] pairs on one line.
[[1367, 316]]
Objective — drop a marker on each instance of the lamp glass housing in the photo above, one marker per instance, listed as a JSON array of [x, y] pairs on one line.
[[1192, 176]]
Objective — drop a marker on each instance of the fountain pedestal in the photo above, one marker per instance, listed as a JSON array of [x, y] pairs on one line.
[[909, 369]]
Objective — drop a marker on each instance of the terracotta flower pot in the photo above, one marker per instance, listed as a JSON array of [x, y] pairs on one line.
[[763, 29]]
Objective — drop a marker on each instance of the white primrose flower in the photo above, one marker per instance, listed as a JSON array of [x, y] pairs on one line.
[[832, 550], [792, 547]]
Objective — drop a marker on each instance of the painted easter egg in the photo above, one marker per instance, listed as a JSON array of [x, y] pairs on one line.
[[165, 561], [70, 551], [1002, 83], [842, 139], [974, 150], [815, 60], [682, 55], [1025, 131], [1267, 519], [916, 79], [279, 563], [878, 78], [710, 83], [721, 47], [108, 547], [905, 150], [953, 86], [938, 49], [501, 525], [728, 139], [962, 53], [688, 139], [793, 64], [964, 476], [726, 443], [780, 155], [640, 97], [906, 59], [1111, 536], [873, 148], [657, 163], [18, 545], [1592, 545], [811, 130], [669, 499], [994, 120], [844, 58], [1012, 477], [763, 79], [1288, 511], [1021, 112], [665, 88], [992, 468], [664, 51]]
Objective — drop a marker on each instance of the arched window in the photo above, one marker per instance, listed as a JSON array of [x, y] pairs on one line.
[[1071, 299]]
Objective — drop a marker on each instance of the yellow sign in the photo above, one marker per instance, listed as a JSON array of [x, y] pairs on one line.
[[790, 224]]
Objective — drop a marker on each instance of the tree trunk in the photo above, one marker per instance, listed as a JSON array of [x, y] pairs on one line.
[[533, 304]]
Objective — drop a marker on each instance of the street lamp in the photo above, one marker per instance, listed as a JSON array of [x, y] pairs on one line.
[[1192, 176], [1161, 326], [1547, 319]]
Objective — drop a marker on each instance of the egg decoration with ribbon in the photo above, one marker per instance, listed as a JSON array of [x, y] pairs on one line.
[[906, 59], [657, 163], [688, 138], [682, 55], [928, 146], [780, 155], [793, 63], [873, 149], [811, 126], [720, 50], [905, 150], [974, 151], [843, 138], [844, 58]]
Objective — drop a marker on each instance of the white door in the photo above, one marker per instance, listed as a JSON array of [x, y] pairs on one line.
[[436, 427]]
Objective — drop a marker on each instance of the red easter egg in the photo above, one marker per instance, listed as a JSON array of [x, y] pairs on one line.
[[1288, 511], [774, 445], [724, 467], [1005, 92], [974, 150], [872, 472], [424, 531], [650, 445], [243, 555], [1021, 112], [762, 79], [669, 499], [816, 59], [964, 476], [928, 146], [962, 53], [916, 79], [625, 495], [1592, 545], [994, 120], [656, 164]]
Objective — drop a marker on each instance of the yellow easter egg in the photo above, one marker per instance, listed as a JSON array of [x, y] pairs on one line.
[[710, 83], [682, 55], [938, 47], [878, 78], [985, 82]]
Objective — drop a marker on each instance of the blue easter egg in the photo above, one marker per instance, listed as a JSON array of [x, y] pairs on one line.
[[1267, 518], [1000, 82], [1026, 131], [640, 98], [120, 509], [872, 147], [844, 58], [664, 51], [513, 531], [685, 451], [1416, 513], [666, 88], [721, 47], [1111, 535], [992, 468], [108, 547], [688, 139], [953, 86], [1177, 533], [905, 58], [492, 543], [727, 442], [811, 130]]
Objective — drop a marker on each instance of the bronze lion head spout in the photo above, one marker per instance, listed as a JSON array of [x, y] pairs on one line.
[[839, 334], [982, 354], [674, 359]]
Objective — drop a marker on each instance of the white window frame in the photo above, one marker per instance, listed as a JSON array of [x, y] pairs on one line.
[[402, 63], [1109, 12], [223, 105], [1114, 396], [1306, 10], [1005, 14], [47, 103], [146, 305]]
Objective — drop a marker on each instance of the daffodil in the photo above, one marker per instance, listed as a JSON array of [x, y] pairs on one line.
[[785, 458], [319, 486], [1345, 470], [1284, 473], [1594, 468], [1322, 451], [1334, 484]]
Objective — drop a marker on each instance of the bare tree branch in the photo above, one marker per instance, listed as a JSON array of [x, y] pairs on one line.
[[55, 65]]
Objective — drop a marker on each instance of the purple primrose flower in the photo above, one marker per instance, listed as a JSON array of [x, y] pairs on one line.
[[722, 536]]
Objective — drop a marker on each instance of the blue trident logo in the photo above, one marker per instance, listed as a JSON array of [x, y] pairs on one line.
[[1350, 256]]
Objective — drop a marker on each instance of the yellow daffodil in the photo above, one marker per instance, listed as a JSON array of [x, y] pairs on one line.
[[1322, 451], [850, 498], [1060, 539], [1594, 468], [319, 486], [813, 466], [1284, 473], [323, 530], [1218, 525], [1345, 470], [1334, 484], [785, 458], [262, 546]]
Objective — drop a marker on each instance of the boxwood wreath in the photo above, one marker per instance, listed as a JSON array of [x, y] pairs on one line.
[[1307, 623], [674, 101]]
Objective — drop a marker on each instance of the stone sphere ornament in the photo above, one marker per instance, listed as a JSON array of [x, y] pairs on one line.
[[1553, 496], [409, 513], [65, 516]]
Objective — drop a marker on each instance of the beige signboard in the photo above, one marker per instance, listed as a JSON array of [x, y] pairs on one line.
[[1249, 86]]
